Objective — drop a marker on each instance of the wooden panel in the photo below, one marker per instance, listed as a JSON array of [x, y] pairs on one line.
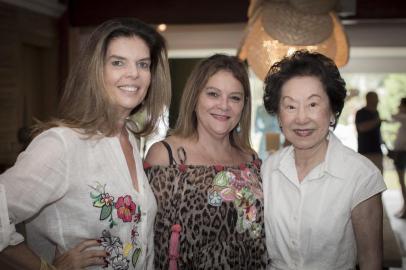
[[93, 12], [28, 74]]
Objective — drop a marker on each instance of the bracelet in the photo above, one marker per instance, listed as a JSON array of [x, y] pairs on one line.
[[46, 266]]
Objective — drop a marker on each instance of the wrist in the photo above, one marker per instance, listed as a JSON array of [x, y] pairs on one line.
[[46, 266]]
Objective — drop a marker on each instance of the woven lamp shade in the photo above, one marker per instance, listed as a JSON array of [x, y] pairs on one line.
[[290, 26], [261, 50], [314, 6]]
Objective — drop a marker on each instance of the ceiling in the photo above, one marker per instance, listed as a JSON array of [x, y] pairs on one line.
[[93, 12], [376, 29]]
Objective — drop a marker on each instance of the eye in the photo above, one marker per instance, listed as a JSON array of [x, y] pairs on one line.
[[290, 107], [144, 64], [212, 94], [117, 63], [236, 98], [314, 104]]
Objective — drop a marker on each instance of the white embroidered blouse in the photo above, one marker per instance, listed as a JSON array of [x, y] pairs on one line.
[[69, 189]]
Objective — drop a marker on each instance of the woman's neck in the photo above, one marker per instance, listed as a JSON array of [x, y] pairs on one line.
[[121, 127], [308, 159], [215, 150]]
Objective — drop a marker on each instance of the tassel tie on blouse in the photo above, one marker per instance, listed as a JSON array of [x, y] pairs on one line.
[[174, 247]]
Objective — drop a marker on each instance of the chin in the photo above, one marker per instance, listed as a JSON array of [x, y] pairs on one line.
[[303, 147]]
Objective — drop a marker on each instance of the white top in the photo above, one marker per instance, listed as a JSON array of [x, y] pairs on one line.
[[85, 191], [400, 141], [308, 224]]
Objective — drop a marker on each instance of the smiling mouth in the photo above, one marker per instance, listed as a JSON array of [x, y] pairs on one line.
[[128, 88], [303, 132], [221, 117]]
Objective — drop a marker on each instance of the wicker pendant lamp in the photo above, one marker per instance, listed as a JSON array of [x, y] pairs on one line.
[[277, 28]]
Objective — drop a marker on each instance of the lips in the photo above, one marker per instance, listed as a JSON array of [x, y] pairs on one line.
[[128, 88], [303, 132], [221, 117]]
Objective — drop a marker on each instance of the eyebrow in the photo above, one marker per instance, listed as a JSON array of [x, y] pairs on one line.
[[116, 56], [123, 58], [312, 96], [217, 89]]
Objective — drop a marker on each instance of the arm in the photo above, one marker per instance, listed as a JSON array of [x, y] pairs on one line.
[[20, 257], [400, 117], [366, 219], [157, 155], [368, 125]]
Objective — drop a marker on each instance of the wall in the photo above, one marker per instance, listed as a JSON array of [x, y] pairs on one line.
[[28, 74]]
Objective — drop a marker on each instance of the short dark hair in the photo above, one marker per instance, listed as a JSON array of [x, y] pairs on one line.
[[305, 63]]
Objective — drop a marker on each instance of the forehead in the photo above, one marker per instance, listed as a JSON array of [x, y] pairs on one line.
[[303, 87], [127, 47], [225, 80]]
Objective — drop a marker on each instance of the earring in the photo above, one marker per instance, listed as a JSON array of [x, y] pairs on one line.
[[332, 121], [238, 129]]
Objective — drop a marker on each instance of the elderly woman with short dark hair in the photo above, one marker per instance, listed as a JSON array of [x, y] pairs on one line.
[[322, 200]]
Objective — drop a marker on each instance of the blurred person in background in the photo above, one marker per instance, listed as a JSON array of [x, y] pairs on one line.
[[368, 124]]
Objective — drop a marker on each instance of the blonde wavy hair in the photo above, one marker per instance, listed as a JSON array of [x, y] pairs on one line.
[[86, 105]]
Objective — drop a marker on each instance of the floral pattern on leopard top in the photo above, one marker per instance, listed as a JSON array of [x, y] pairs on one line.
[[208, 239], [120, 254], [243, 188]]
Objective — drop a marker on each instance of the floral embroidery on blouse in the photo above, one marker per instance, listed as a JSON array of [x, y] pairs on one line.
[[127, 211], [114, 246], [103, 200], [242, 187], [125, 208]]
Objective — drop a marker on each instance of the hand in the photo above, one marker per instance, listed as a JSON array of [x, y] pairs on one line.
[[80, 257]]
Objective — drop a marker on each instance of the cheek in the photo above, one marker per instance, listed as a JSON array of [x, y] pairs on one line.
[[110, 77], [324, 118], [284, 119], [148, 77], [238, 110]]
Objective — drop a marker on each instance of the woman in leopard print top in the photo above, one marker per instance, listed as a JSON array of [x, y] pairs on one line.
[[205, 176]]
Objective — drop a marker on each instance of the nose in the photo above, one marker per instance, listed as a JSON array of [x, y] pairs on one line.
[[302, 115], [223, 103], [132, 71]]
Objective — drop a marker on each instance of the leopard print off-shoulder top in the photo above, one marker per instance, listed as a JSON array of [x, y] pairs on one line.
[[220, 212]]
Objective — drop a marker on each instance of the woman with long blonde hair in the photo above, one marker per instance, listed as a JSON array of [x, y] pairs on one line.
[[80, 185]]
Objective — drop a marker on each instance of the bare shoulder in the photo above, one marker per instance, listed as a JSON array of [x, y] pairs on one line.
[[157, 155], [248, 156]]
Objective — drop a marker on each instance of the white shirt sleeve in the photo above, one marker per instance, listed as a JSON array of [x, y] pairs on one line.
[[367, 187], [38, 178], [8, 234]]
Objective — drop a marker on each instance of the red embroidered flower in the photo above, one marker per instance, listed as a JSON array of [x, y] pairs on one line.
[[125, 208]]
